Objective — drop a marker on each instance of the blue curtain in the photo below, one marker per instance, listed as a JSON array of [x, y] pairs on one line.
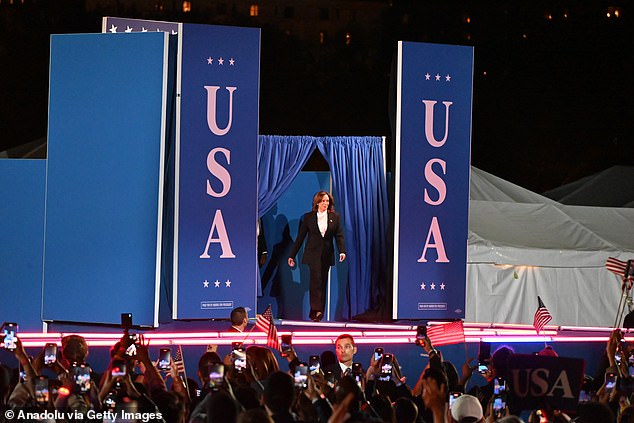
[[280, 159], [356, 165]]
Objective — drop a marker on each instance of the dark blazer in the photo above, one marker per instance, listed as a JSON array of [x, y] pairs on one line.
[[319, 250]]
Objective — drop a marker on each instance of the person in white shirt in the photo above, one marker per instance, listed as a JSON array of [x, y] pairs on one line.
[[345, 348], [320, 227]]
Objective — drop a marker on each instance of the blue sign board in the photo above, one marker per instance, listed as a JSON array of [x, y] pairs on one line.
[[21, 241], [433, 138], [216, 171], [104, 177]]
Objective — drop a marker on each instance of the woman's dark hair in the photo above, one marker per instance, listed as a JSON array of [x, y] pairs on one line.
[[593, 412], [499, 360], [328, 358], [171, 405], [262, 361], [279, 392], [222, 408], [317, 199], [405, 410]]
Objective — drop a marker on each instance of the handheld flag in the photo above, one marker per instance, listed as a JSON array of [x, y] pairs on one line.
[[178, 360], [542, 316], [624, 269], [264, 322], [616, 266], [446, 333]]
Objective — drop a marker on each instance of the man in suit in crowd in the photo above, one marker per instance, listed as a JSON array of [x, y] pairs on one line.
[[239, 320], [345, 349]]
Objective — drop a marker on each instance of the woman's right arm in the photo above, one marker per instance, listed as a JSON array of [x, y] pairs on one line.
[[301, 234]]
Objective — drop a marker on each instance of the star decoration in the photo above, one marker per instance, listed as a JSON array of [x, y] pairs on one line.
[[432, 285], [217, 283], [422, 286], [231, 62], [427, 76], [442, 286], [437, 77], [128, 29], [221, 61], [210, 60], [448, 77], [143, 29], [113, 29], [228, 283], [206, 283]]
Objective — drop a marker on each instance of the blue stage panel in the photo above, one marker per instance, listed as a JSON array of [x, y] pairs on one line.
[[216, 171], [21, 241], [435, 84], [105, 177]]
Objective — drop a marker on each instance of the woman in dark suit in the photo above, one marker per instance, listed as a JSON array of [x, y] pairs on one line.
[[320, 227]]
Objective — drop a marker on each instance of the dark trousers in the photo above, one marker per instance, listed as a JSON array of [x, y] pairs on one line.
[[317, 288]]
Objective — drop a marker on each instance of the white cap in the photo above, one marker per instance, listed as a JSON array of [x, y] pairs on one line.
[[466, 407]]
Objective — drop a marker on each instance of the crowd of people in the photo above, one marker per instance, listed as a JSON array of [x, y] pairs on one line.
[[250, 385]]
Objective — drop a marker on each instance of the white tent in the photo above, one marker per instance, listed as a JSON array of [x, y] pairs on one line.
[[612, 187], [522, 245]]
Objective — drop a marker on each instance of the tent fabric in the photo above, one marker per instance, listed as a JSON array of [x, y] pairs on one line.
[[358, 174], [573, 296], [487, 187], [612, 187], [522, 245]]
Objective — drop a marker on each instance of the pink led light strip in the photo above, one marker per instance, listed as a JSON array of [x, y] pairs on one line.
[[363, 334]]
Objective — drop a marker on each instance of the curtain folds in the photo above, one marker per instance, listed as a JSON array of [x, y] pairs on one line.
[[280, 159], [356, 165]]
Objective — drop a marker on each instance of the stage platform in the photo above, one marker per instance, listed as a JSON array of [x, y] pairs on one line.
[[310, 338], [310, 333]]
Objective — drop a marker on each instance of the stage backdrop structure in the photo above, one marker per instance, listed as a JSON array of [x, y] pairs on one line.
[[433, 138], [104, 177], [216, 171], [212, 169], [359, 184], [21, 241]]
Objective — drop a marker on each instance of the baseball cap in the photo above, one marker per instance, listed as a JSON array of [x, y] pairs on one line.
[[466, 408]]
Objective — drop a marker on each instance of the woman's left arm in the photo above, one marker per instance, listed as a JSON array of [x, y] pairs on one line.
[[341, 244]]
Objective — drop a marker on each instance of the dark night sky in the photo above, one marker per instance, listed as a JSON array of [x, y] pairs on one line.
[[552, 98]]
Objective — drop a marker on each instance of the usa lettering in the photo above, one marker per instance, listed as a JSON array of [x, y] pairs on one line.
[[218, 161], [535, 382], [435, 169]]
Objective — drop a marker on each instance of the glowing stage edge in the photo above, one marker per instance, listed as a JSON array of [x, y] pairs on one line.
[[326, 334]]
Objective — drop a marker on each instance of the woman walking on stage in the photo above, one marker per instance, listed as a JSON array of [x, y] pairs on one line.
[[320, 227]]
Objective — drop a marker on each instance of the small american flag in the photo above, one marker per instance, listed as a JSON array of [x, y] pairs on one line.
[[542, 316], [624, 269], [264, 322], [616, 266], [446, 333], [178, 360]]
